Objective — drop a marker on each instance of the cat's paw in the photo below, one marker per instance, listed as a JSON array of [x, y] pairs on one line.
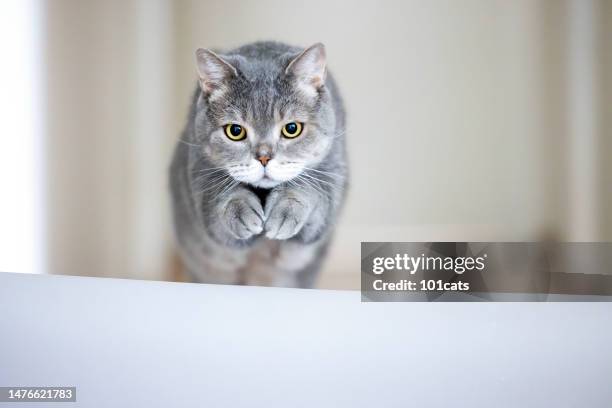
[[285, 214], [243, 216]]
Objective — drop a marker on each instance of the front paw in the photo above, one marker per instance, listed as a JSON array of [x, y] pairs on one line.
[[243, 216], [285, 214]]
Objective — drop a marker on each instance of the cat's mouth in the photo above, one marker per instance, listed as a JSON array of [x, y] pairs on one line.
[[259, 181], [266, 182], [269, 176]]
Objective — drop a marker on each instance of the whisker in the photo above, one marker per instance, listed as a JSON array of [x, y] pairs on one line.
[[311, 184], [210, 170], [206, 179], [189, 144], [315, 179], [217, 184], [213, 185], [229, 187], [324, 173], [207, 185]]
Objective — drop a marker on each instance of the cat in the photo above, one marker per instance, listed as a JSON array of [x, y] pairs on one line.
[[260, 172]]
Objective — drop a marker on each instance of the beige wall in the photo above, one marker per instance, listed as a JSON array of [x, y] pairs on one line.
[[605, 118], [461, 124], [109, 136]]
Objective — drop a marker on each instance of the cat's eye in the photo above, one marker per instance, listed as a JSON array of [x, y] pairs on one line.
[[292, 129], [235, 132]]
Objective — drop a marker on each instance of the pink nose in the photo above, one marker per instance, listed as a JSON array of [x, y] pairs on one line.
[[264, 160]]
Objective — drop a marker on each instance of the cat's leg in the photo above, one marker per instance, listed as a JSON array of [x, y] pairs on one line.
[[286, 211], [283, 263], [298, 264], [206, 261], [235, 218], [212, 271], [295, 211]]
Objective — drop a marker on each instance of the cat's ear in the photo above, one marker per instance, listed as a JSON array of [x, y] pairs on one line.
[[309, 67], [213, 70]]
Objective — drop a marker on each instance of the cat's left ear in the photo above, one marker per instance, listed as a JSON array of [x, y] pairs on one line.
[[309, 67]]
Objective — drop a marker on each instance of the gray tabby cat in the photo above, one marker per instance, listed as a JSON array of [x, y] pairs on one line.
[[260, 172]]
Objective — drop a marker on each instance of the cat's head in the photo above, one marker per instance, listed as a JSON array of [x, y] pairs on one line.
[[263, 119]]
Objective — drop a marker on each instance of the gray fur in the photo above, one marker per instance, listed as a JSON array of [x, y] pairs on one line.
[[233, 225]]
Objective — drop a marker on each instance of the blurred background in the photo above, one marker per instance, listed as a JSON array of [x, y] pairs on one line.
[[468, 121]]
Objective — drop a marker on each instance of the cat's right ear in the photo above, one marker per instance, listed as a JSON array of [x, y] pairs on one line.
[[213, 70]]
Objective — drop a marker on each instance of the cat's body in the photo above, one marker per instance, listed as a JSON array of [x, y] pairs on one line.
[[254, 204]]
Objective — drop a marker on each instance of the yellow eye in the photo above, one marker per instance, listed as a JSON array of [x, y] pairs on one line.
[[292, 129], [235, 132]]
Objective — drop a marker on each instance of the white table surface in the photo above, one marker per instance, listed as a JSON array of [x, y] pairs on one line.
[[151, 344]]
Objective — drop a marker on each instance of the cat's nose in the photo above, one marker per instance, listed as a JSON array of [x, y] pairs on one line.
[[263, 153], [264, 159]]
